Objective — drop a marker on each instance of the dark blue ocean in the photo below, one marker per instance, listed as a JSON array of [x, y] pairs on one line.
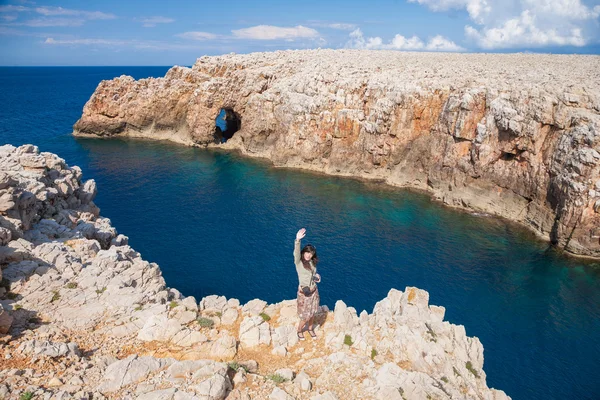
[[218, 223]]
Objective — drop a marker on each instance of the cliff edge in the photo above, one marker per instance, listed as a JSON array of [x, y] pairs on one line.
[[515, 135], [83, 316]]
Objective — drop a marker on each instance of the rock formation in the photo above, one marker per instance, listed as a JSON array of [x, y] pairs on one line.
[[88, 318], [515, 135]]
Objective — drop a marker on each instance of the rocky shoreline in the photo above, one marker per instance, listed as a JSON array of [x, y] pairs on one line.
[[514, 135], [83, 316]]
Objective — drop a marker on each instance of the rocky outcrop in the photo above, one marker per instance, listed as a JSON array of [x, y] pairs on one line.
[[516, 135], [87, 317]]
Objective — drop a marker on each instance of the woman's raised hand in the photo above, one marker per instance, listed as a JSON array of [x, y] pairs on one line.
[[301, 233]]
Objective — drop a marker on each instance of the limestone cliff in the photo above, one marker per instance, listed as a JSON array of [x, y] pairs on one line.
[[516, 135], [88, 318]]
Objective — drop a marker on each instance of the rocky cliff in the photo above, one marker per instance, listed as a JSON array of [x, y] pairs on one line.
[[515, 135], [83, 316]]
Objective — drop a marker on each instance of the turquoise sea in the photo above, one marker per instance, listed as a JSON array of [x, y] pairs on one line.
[[219, 223]]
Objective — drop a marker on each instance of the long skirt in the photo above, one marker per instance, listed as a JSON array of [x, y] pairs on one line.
[[307, 306]]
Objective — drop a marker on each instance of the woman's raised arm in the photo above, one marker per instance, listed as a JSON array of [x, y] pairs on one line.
[[299, 235]]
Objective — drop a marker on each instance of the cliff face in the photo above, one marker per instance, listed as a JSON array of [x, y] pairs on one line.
[[87, 318], [513, 135]]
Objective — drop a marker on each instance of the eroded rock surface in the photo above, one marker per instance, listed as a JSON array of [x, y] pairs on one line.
[[87, 318], [516, 135]]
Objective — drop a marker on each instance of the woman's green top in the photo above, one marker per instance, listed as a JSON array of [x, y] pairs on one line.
[[305, 277]]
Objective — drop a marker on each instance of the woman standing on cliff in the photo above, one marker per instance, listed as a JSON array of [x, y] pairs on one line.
[[308, 294]]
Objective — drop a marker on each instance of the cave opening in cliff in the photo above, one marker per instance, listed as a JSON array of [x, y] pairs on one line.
[[227, 123]]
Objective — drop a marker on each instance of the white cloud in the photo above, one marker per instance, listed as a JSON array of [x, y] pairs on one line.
[[522, 31], [525, 23], [104, 42], [270, 32], [120, 44], [52, 11], [440, 43], [334, 25], [197, 35], [151, 22], [342, 26], [572, 9], [477, 9], [11, 8], [44, 22], [53, 16], [399, 42]]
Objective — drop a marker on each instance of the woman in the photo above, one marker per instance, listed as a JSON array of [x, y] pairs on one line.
[[308, 294]]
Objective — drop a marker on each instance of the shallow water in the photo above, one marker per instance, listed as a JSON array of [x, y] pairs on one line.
[[218, 223]]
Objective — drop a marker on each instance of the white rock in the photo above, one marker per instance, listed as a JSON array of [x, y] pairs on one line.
[[185, 317], [280, 351], [224, 348], [184, 369], [54, 382], [213, 388], [285, 373], [50, 349], [190, 303], [164, 394], [88, 191], [254, 307], [254, 331], [303, 381], [250, 366], [285, 335], [188, 337], [179, 395], [213, 304], [132, 369], [239, 377], [325, 396], [280, 394], [344, 317], [229, 316]]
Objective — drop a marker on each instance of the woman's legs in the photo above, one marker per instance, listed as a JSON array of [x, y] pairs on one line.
[[310, 322], [302, 324]]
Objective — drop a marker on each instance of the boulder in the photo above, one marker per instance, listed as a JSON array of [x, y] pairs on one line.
[[230, 316], [50, 349], [280, 394], [213, 304], [285, 373], [254, 331], [303, 381], [88, 191], [224, 348], [130, 370], [254, 307], [6, 320], [163, 394], [5, 236]]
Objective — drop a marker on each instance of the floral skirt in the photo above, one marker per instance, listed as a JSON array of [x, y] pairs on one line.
[[307, 306]]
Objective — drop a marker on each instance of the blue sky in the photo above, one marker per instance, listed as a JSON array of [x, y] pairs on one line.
[[124, 32]]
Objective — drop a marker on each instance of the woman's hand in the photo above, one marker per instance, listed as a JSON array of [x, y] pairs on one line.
[[301, 233], [317, 278]]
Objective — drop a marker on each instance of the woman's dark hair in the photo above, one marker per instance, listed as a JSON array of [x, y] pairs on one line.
[[309, 248]]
